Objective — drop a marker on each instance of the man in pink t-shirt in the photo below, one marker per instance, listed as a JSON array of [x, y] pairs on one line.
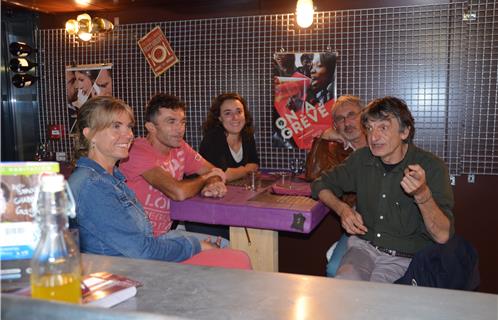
[[157, 163]]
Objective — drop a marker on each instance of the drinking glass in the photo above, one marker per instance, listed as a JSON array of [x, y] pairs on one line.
[[253, 181], [296, 166], [284, 179]]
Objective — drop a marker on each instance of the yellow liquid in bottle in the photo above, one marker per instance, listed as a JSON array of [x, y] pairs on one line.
[[61, 287]]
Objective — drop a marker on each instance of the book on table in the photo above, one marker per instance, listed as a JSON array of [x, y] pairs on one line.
[[106, 289], [100, 289]]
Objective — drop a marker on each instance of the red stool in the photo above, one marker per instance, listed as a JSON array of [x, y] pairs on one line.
[[224, 258]]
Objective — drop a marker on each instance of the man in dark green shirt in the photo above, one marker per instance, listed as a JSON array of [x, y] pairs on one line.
[[404, 198]]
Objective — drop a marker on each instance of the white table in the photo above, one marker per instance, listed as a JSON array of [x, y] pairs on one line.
[[173, 290]]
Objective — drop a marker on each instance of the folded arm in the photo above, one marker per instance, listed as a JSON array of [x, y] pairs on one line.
[[240, 172], [183, 189]]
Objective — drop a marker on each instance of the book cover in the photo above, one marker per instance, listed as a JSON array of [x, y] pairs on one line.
[[100, 289], [18, 232], [106, 289]]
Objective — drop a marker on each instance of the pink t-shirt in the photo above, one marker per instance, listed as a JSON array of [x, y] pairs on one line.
[[144, 157]]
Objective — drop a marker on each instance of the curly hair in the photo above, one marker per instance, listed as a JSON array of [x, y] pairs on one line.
[[97, 114], [212, 121], [383, 108]]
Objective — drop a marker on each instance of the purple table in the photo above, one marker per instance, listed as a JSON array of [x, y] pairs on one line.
[[254, 217]]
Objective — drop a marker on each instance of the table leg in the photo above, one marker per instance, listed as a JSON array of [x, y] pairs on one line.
[[262, 249]]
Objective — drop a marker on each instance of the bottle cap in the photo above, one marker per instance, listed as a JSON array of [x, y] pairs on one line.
[[52, 183]]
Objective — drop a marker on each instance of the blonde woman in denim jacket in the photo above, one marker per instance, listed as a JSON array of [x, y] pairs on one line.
[[110, 219]]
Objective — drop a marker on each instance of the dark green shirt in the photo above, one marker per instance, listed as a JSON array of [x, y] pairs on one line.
[[392, 217]]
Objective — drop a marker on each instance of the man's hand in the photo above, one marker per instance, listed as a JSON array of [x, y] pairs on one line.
[[216, 189], [415, 184], [332, 135], [351, 220]]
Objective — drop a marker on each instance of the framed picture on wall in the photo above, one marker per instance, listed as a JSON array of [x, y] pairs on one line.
[[305, 90], [84, 82]]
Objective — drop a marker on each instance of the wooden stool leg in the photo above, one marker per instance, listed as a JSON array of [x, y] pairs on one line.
[[260, 245]]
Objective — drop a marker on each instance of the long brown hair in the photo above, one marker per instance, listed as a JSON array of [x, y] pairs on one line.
[[212, 121]]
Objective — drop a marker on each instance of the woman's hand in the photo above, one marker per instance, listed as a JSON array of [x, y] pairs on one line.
[[250, 167]]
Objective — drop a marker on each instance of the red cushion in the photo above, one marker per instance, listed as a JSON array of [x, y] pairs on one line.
[[224, 258]]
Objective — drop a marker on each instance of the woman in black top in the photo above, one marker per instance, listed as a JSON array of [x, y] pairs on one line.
[[228, 143]]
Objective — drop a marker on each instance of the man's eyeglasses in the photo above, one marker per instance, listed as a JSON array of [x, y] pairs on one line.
[[342, 119]]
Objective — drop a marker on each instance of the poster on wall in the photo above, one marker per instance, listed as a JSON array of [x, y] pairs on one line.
[[84, 82], [305, 90], [157, 51]]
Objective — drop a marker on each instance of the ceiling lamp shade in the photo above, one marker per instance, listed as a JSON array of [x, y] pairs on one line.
[[83, 16], [102, 25], [85, 36], [72, 27], [21, 49], [23, 80], [21, 65], [84, 27], [304, 13]]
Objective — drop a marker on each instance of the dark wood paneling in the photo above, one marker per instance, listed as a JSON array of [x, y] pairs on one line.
[[152, 10], [305, 253], [476, 219], [198, 6]]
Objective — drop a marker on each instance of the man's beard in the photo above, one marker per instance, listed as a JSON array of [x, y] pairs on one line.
[[350, 132]]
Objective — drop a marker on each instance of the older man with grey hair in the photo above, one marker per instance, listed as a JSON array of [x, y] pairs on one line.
[[346, 127], [404, 199]]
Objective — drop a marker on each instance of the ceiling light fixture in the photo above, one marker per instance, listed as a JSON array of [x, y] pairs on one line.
[[84, 3], [84, 27], [304, 13]]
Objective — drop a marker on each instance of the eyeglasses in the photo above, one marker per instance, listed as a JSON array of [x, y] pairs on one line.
[[342, 119]]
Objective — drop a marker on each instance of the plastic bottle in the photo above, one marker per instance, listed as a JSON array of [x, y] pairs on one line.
[[56, 269]]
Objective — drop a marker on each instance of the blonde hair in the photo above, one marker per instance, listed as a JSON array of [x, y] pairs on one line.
[[97, 114]]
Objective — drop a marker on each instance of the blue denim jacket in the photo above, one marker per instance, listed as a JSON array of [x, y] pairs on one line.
[[112, 222]]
